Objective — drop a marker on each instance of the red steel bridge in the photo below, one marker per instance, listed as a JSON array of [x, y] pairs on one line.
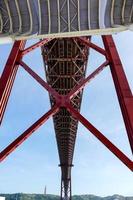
[[65, 53]]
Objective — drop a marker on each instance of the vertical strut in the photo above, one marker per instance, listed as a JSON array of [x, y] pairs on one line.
[[66, 193], [8, 76], [123, 90], [66, 187]]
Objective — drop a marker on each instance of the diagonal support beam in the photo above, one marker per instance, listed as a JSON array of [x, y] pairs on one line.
[[8, 76], [36, 45], [28, 133], [101, 137], [123, 90], [89, 44], [40, 80], [85, 81]]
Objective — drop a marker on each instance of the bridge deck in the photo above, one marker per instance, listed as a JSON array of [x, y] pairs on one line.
[[61, 18], [65, 65]]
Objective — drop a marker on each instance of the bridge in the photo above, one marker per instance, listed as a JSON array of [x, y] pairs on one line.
[[63, 18], [64, 29]]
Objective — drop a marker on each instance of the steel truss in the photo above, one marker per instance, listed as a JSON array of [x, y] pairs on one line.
[[65, 101], [66, 189]]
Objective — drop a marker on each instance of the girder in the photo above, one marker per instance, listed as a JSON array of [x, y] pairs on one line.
[[66, 59], [63, 18]]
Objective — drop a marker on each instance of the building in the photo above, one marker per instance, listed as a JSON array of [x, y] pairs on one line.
[[2, 198]]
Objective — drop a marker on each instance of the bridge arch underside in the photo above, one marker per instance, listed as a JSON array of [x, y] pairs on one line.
[[63, 18], [65, 62]]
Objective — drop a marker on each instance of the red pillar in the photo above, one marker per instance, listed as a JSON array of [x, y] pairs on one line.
[[123, 90], [8, 75]]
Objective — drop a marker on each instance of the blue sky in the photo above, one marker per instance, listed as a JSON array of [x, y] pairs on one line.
[[35, 163]]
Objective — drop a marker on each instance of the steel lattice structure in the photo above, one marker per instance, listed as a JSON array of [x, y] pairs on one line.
[[65, 66], [65, 62]]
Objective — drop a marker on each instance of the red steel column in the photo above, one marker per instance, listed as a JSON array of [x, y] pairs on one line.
[[8, 76], [123, 90]]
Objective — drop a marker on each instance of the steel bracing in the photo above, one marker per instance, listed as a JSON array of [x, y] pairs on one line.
[[65, 62]]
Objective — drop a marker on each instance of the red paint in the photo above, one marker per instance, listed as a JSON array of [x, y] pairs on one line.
[[123, 90], [8, 76], [124, 94]]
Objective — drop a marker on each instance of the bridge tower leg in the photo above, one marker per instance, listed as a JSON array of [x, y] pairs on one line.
[[8, 76], [66, 190], [123, 90]]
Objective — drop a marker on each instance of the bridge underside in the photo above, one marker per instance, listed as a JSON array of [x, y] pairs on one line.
[[62, 18], [65, 62], [65, 66]]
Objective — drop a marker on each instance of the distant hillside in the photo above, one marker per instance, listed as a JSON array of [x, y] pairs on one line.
[[93, 197], [22, 196]]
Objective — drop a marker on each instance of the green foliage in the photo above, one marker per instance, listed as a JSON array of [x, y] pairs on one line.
[[21, 196]]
